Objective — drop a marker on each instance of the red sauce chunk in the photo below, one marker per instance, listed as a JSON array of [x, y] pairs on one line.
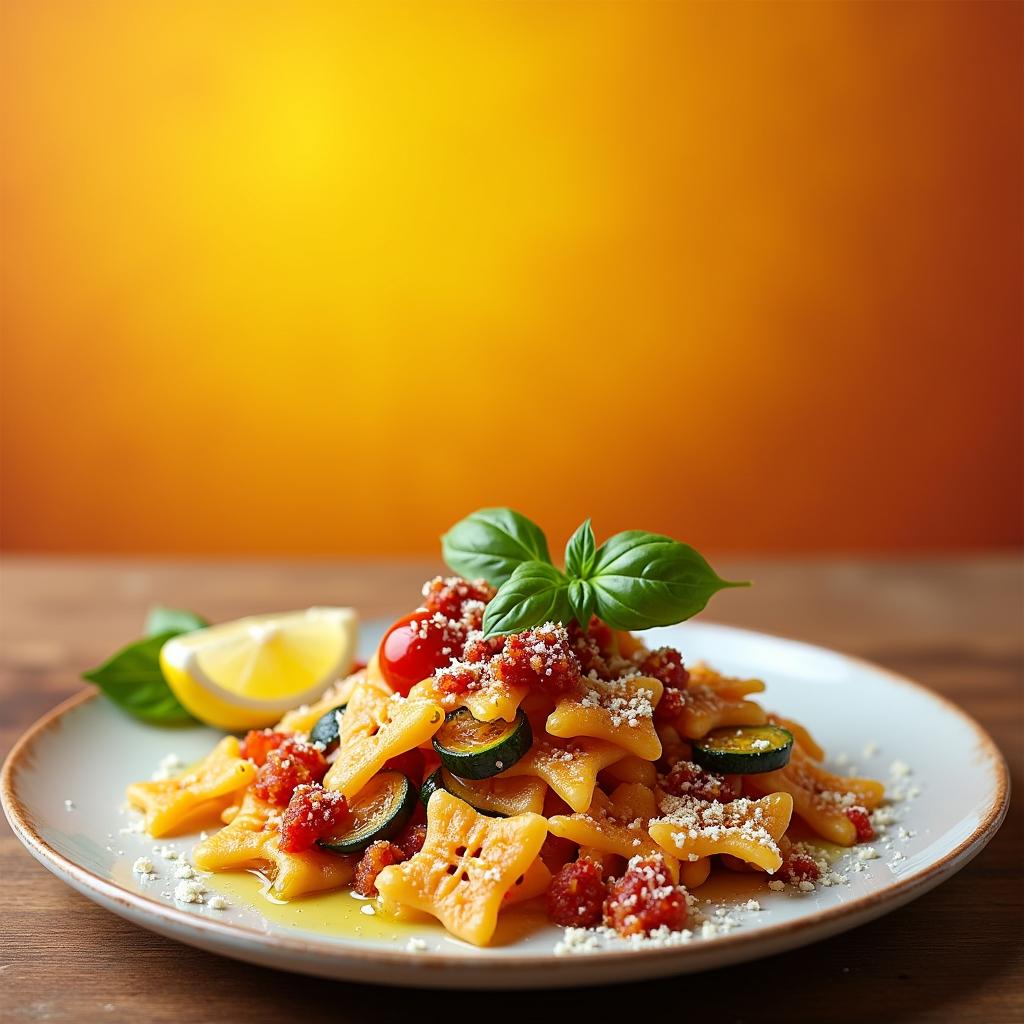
[[576, 895], [458, 598], [312, 813], [799, 867], [293, 764], [688, 779], [594, 649], [541, 657], [479, 651], [671, 705], [377, 857], [411, 841], [644, 900], [666, 665], [260, 742], [460, 678], [862, 822]]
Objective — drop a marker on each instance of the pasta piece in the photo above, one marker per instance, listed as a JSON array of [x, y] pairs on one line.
[[616, 825], [748, 829], [801, 736], [620, 712], [704, 709], [252, 841], [488, 704], [533, 883], [174, 803], [820, 798], [632, 769], [408, 724], [627, 645], [467, 865], [302, 719], [301, 874], [240, 843], [569, 767], [694, 873], [729, 687], [366, 711]]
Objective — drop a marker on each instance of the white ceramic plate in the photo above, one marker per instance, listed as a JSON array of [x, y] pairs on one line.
[[62, 791]]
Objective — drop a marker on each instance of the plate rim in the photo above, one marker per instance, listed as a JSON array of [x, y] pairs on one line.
[[143, 906]]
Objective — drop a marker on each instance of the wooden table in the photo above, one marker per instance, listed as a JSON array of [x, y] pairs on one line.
[[954, 955]]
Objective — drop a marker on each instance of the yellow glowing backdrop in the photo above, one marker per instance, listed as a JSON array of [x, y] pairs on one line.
[[303, 277]]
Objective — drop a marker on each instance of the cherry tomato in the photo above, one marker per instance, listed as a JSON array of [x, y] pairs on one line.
[[415, 647]]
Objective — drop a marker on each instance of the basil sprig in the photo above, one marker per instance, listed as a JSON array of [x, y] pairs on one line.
[[491, 543], [635, 580], [132, 678]]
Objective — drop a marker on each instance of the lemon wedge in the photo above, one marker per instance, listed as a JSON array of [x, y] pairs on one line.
[[245, 674]]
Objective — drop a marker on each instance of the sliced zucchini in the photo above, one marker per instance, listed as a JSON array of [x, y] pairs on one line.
[[477, 750], [326, 729], [497, 798], [380, 810], [746, 750]]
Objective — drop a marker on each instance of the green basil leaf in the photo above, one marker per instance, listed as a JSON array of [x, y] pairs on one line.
[[536, 592], [491, 543], [172, 620], [579, 552], [132, 679], [644, 579], [582, 600]]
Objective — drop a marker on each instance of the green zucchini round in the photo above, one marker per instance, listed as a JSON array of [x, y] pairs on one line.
[[326, 729], [479, 750], [442, 779], [380, 810], [746, 750]]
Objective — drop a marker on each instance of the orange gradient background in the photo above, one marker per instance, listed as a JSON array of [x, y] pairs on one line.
[[323, 277]]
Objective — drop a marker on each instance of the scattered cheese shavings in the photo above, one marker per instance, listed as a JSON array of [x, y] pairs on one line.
[[217, 903], [189, 891], [143, 866], [367, 909]]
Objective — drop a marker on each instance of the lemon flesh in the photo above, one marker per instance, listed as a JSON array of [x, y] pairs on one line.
[[245, 674]]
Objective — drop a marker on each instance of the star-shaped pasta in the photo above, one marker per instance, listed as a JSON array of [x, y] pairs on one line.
[[749, 829], [302, 719], [240, 843], [252, 841], [174, 803], [705, 708], [366, 711], [730, 687], [534, 882], [493, 701], [615, 825], [408, 724], [467, 865], [819, 797], [620, 711], [569, 767]]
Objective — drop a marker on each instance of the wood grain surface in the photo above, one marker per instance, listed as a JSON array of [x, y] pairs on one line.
[[953, 955]]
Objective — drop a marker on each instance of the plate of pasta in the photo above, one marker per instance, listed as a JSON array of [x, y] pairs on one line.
[[535, 777]]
